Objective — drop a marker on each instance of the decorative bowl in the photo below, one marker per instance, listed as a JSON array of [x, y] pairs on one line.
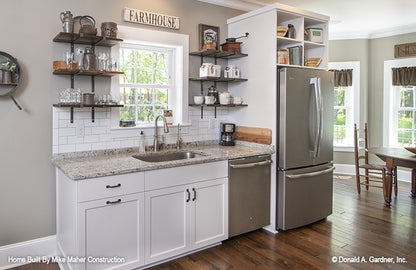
[[411, 149]]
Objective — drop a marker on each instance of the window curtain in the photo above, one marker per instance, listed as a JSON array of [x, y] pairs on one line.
[[342, 77], [404, 76]]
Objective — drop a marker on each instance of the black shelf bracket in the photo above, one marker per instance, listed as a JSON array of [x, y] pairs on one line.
[[72, 115]]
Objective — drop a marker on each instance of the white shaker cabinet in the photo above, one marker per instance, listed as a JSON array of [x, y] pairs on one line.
[[113, 228], [185, 218], [138, 219], [101, 219]]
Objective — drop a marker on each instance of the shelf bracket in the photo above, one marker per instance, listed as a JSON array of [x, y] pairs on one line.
[[92, 114], [215, 112], [72, 115], [202, 112]]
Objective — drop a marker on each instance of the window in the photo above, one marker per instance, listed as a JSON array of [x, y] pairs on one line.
[[147, 85], [406, 113], [399, 108], [156, 66], [346, 107]]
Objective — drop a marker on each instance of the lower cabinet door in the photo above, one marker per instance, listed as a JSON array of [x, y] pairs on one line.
[[166, 223], [112, 232], [209, 212]]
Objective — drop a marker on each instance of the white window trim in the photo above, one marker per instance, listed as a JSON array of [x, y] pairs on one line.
[[180, 44], [355, 66], [388, 96]]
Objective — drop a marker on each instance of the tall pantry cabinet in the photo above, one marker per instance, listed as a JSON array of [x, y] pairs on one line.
[[261, 67]]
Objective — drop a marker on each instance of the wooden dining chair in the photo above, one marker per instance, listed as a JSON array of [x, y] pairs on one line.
[[374, 174]]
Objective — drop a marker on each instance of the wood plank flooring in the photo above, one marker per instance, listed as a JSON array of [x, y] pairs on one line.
[[361, 227]]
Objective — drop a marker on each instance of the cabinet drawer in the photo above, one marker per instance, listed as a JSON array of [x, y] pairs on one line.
[[185, 175], [109, 186]]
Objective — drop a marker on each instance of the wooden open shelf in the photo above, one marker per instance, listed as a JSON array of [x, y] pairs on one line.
[[215, 79], [78, 72], [218, 54], [92, 40]]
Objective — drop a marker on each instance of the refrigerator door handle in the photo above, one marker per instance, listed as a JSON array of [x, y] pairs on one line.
[[314, 81], [304, 175], [321, 110]]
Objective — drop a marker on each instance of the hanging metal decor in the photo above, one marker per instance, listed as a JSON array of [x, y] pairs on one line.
[[10, 76]]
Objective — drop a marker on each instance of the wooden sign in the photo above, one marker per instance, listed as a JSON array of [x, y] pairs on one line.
[[405, 50], [151, 18]]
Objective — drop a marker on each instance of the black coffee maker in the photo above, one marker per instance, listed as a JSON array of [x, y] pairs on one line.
[[227, 134]]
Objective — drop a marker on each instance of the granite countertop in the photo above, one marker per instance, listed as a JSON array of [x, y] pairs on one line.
[[91, 164]]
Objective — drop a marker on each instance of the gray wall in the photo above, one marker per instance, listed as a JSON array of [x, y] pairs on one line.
[[27, 193], [371, 53]]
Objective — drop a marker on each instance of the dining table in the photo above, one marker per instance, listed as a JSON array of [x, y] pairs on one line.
[[395, 157]]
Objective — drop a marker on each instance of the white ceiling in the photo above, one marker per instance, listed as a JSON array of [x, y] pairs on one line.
[[349, 18]]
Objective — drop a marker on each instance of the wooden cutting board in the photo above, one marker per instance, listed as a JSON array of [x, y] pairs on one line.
[[254, 134]]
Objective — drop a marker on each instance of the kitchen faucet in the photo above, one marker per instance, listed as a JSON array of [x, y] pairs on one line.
[[179, 142], [156, 143]]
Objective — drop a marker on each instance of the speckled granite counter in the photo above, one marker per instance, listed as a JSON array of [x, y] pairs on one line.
[[91, 164]]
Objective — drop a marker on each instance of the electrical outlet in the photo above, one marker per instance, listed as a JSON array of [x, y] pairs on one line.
[[80, 130]]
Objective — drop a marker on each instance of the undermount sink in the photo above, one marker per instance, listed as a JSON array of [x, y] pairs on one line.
[[166, 156]]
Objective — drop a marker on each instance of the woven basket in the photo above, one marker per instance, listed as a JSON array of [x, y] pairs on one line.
[[313, 62], [282, 30]]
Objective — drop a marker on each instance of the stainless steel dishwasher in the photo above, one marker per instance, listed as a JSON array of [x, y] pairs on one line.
[[249, 194]]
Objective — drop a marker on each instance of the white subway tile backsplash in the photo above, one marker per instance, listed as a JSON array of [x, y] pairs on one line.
[[67, 132], [98, 135], [99, 130]]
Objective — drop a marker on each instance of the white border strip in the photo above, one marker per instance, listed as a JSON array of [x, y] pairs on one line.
[[32, 249]]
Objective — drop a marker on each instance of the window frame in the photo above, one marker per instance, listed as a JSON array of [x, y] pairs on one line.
[[170, 80], [180, 44], [390, 99], [353, 116]]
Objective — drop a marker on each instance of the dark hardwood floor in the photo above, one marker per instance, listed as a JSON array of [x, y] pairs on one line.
[[360, 228]]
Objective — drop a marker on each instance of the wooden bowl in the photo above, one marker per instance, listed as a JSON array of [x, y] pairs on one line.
[[411, 149]]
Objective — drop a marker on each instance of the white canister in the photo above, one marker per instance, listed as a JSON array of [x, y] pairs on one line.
[[225, 98], [206, 69], [232, 71]]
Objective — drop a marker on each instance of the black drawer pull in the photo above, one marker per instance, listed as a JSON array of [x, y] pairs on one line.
[[189, 195], [116, 186], [118, 201], [194, 198]]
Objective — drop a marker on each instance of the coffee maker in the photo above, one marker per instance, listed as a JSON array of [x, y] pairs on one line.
[[227, 134]]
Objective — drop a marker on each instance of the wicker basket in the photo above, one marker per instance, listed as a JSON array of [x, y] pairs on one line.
[[282, 30], [313, 61]]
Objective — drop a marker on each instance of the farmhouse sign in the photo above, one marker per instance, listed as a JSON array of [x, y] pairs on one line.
[[151, 18]]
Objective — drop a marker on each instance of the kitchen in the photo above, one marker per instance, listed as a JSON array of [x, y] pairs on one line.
[[33, 202]]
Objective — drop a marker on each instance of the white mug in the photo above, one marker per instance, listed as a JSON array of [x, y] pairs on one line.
[[237, 100], [199, 100], [210, 100], [225, 98]]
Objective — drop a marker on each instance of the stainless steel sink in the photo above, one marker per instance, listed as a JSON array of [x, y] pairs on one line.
[[166, 156]]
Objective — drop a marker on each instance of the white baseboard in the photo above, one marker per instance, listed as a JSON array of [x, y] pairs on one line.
[[348, 169], [34, 250]]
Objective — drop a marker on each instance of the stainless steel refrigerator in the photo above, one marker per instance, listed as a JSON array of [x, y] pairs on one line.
[[305, 146]]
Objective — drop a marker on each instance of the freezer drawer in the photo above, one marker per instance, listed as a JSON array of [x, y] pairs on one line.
[[304, 196], [249, 194]]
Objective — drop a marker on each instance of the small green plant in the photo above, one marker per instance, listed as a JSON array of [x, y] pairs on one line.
[[9, 66]]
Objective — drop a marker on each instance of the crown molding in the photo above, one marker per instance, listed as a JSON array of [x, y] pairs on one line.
[[244, 5], [376, 34]]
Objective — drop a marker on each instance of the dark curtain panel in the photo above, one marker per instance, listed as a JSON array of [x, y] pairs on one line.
[[404, 76], [342, 77]]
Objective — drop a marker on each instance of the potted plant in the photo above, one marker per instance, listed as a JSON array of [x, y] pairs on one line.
[[8, 68]]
